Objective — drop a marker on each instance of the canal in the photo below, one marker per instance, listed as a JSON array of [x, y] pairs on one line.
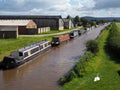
[[43, 72]]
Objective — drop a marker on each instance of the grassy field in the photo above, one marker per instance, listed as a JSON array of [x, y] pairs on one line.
[[103, 64], [118, 24], [8, 45], [59, 31], [53, 31]]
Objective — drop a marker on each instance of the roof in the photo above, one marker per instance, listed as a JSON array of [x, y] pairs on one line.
[[14, 22], [29, 17], [8, 28], [66, 20], [32, 46]]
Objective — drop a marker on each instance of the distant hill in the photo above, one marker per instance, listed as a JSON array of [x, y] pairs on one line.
[[102, 18]]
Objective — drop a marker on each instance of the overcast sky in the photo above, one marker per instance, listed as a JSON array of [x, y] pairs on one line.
[[98, 8]]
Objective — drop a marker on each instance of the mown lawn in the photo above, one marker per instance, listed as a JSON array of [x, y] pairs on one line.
[[118, 25], [103, 64], [59, 31], [8, 45], [53, 31]]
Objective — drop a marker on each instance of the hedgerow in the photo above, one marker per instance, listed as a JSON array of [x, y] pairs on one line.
[[113, 42]]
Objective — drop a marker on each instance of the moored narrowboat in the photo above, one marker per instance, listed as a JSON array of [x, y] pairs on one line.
[[74, 34], [25, 54], [57, 40]]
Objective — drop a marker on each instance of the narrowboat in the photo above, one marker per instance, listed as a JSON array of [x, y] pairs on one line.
[[25, 54], [57, 40], [74, 34]]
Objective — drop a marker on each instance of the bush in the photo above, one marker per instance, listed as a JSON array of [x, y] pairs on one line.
[[92, 46], [62, 80], [67, 78], [77, 69], [71, 76]]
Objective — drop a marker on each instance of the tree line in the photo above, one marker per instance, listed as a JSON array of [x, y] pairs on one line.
[[113, 42], [77, 21]]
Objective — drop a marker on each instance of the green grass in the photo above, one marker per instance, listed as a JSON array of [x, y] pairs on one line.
[[118, 25], [58, 31], [8, 45], [53, 31], [102, 64]]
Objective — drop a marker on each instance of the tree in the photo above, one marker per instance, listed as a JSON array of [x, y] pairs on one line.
[[84, 22], [69, 17], [92, 23], [76, 20]]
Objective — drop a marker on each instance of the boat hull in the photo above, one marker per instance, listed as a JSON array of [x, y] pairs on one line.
[[21, 62]]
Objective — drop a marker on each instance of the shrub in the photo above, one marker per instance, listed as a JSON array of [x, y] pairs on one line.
[[71, 76], [92, 46], [62, 80]]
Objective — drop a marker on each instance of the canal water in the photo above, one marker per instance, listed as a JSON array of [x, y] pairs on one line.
[[43, 72]]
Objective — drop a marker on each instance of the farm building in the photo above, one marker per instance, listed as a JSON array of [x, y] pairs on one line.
[[68, 23], [8, 32], [13, 28], [54, 22]]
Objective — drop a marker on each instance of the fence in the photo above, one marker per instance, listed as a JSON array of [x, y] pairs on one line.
[[43, 29]]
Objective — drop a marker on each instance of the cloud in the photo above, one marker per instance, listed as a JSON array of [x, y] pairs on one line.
[[38, 6], [24, 5], [60, 7], [106, 4]]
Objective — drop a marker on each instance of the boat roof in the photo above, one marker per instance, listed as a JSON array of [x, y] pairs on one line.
[[32, 46]]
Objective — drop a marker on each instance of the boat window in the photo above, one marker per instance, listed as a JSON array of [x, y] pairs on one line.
[[20, 54], [71, 34], [34, 50], [49, 43], [46, 45], [55, 39], [25, 54], [41, 47]]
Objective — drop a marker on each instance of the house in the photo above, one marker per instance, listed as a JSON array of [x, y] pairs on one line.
[[54, 22], [13, 28], [68, 23]]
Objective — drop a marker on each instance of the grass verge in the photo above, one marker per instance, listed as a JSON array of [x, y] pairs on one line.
[[103, 64], [59, 31]]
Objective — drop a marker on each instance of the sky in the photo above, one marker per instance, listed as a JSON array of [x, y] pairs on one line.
[[95, 8]]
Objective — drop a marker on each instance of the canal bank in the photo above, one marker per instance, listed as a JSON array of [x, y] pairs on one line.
[[43, 72], [102, 66]]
